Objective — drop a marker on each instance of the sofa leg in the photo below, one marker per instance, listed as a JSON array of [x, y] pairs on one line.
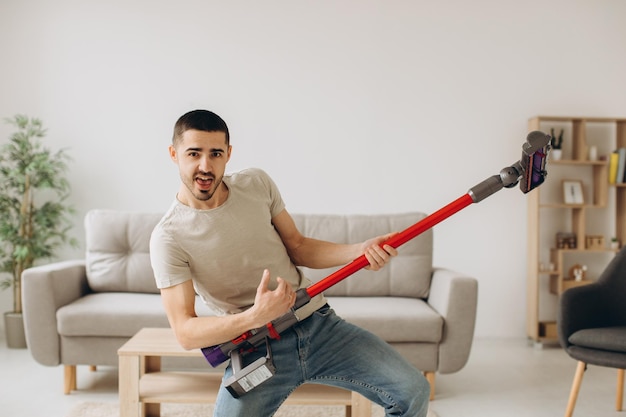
[[430, 377], [619, 399], [69, 383], [578, 379]]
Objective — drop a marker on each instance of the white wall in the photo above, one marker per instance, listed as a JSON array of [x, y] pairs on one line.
[[352, 106]]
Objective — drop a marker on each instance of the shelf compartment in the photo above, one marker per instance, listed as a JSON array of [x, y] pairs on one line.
[[196, 387], [548, 330], [565, 284]]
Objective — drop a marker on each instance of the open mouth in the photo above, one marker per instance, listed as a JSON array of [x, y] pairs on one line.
[[204, 182]]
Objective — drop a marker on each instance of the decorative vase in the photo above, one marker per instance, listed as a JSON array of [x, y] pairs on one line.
[[14, 330], [555, 154]]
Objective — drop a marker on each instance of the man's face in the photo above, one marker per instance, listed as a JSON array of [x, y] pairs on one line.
[[201, 158]]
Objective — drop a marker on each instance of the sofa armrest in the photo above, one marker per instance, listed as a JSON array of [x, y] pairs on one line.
[[455, 297], [45, 289]]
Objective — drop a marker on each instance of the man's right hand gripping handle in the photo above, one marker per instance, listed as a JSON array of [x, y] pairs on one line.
[[219, 354]]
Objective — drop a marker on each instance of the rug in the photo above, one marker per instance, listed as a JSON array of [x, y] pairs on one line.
[[97, 409]]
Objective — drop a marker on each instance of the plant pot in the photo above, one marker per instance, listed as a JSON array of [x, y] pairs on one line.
[[14, 330], [555, 154]]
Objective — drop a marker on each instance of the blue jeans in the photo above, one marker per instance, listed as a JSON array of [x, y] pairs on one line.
[[325, 349]]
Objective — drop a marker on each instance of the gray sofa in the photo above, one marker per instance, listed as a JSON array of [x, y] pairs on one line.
[[80, 312]]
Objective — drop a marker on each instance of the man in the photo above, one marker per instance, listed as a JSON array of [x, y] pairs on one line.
[[230, 239]]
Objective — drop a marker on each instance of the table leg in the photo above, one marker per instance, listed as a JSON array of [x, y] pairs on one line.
[[361, 406], [129, 373]]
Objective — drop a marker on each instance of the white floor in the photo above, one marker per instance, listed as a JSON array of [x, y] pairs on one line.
[[503, 378]]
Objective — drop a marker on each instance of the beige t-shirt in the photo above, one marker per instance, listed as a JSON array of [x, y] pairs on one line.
[[225, 250]]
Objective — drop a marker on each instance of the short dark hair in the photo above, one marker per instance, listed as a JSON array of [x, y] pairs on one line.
[[203, 120]]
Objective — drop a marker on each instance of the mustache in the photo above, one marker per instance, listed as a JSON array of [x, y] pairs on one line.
[[206, 174]]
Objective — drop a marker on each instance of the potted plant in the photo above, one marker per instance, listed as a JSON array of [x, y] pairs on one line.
[[555, 144], [614, 243], [34, 216]]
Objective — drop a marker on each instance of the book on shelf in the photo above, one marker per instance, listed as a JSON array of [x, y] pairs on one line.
[[613, 160], [617, 166]]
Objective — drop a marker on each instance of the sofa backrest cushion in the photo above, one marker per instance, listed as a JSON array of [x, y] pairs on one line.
[[118, 258], [407, 275], [117, 245]]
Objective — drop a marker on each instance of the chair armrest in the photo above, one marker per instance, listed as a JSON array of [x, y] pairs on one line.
[[45, 289], [455, 297]]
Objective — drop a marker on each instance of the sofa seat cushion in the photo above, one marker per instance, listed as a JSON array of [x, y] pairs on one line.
[[394, 319], [114, 314]]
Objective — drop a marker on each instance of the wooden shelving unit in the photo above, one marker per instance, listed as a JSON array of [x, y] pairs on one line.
[[603, 212]]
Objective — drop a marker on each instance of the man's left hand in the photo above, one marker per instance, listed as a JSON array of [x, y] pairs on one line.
[[376, 254]]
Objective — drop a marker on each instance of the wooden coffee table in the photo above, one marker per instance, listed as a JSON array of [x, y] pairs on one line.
[[143, 386]]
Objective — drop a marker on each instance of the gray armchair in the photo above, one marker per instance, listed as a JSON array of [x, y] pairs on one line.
[[592, 326]]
